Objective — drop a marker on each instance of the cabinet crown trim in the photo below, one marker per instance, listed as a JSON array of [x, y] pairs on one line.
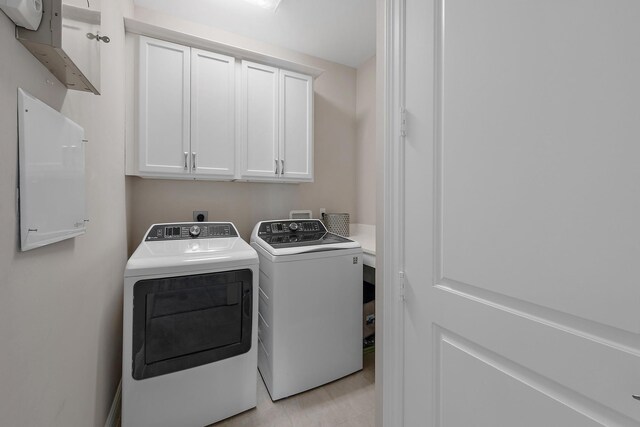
[[135, 26]]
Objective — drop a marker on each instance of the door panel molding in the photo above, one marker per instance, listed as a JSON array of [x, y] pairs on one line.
[[446, 341], [619, 339], [560, 269], [569, 359]]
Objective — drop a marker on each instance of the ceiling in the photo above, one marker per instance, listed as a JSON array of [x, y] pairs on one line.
[[342, 31]]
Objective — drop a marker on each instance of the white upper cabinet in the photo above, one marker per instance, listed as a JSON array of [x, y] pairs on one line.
[[202, 115], [259, 126], [185, 112], [212, 114], [296, 126], [277, 124], [164, 107]]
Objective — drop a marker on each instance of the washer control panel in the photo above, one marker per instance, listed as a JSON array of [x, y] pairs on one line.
[[292, 226], [191, 230]]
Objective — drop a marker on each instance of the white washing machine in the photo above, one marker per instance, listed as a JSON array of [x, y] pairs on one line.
[[310, 309], [189, 326]]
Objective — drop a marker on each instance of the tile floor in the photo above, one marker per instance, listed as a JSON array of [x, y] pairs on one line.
[[348, 402]]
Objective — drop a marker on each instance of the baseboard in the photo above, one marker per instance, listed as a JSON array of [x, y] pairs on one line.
[[116, 406]]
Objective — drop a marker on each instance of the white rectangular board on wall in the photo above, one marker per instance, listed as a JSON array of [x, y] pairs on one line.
[[52, 174]]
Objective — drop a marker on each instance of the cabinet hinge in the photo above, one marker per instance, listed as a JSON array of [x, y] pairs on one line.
[[401, 285], [403, 122]]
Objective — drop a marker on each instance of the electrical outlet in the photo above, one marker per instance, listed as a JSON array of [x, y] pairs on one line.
[[200, 216], [322, 212]]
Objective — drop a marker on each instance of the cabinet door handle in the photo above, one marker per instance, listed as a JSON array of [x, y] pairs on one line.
[[186, 159], [276, 171], [282, 167], [193, 160]]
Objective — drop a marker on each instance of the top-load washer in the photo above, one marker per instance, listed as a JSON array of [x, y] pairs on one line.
[[310, 308], [189, 326]]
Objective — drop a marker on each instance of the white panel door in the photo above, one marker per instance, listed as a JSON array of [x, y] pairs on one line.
[[259, 123], [163, 107], [296, 126], [212, 114], [520, 221]]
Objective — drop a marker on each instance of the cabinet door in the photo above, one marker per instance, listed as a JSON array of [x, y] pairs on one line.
[[296, 126], [77, 24], [212, 114], [163, 107], [259, 129]]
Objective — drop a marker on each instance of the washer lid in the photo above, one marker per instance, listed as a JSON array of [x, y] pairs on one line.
[[282, 238]]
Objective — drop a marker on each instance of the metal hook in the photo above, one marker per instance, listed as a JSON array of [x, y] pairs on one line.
[[98, 37]]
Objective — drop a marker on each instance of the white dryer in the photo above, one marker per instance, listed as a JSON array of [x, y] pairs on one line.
[[310, 309], [189, 326]]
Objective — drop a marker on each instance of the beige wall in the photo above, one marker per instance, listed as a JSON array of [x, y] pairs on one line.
[[366, 143], [60, 305], [247, 203]]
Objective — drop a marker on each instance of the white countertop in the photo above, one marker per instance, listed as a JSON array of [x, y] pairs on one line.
[[365, 234]]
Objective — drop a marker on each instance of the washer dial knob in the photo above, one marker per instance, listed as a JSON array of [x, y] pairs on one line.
[[293, 226], [194, 231]]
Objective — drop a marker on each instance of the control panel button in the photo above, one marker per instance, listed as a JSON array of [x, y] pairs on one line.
[[194, 231], [293, 226]]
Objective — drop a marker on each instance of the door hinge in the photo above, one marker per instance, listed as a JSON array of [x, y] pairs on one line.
[[401, 285], [403, 122]]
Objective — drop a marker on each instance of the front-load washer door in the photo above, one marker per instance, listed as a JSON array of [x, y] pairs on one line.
[[187, 321]]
